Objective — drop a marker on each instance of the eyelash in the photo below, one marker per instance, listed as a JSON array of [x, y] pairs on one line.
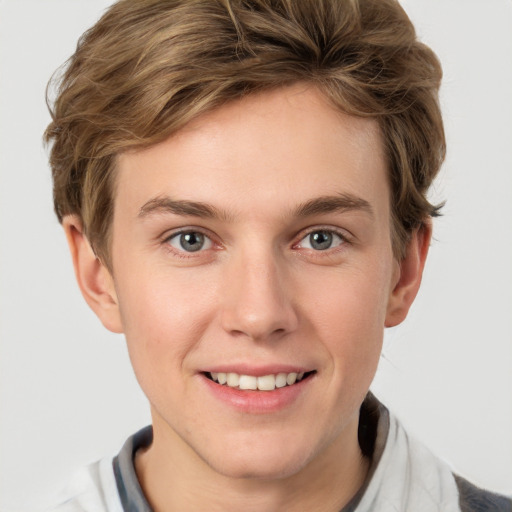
[[344, 237]]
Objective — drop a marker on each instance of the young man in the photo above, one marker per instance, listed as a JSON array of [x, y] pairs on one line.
[[243, 188]]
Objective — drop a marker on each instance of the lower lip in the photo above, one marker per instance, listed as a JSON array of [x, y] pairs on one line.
[[257, 402]]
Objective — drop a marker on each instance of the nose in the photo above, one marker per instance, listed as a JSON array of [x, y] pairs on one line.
[[257, 302]]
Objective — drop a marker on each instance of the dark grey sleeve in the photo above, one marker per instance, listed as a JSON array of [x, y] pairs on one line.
[[474, 499]]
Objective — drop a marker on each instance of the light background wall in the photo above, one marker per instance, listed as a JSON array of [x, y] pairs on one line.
[[67, 392]]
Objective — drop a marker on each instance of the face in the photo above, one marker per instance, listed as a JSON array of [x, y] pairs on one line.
[[254, 247]]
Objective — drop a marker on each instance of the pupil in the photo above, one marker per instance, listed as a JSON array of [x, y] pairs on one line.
[[320, 240], [192, 242]]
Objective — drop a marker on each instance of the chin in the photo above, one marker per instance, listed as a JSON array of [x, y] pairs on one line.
[[269, 469], [261, 461]]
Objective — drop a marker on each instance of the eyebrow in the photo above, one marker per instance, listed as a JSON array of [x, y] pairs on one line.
[[317, 206], [331, 204], [165, 204]]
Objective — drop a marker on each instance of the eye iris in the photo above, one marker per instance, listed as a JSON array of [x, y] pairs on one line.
[[320, 240], [191, 242]]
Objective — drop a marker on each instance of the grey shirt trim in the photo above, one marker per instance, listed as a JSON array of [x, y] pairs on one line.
[[128, 486], [373, 432]]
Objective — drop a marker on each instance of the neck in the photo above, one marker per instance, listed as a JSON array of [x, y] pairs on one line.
[[183, 481]]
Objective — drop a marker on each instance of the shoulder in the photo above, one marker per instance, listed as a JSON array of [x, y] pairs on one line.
[[475, 499], [90, 489]]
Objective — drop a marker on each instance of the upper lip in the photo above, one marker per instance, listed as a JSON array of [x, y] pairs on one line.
[[257, 370]]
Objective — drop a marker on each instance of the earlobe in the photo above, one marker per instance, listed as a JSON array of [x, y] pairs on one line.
[[94, 279], [409, 277]]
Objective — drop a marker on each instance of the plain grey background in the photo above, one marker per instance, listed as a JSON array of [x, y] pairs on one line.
[[67, 392]]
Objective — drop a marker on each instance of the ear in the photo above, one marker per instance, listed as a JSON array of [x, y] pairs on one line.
[[94, 279], [410, 271]]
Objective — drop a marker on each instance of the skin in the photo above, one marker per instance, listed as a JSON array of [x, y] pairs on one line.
[[257, 293]]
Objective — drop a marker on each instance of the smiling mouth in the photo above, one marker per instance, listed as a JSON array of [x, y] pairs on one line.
[[263, 383]]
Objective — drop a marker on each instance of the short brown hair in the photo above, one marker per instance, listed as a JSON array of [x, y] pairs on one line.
[[148, 67]]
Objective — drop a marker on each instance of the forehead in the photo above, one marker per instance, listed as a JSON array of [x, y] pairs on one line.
[[275, 148]]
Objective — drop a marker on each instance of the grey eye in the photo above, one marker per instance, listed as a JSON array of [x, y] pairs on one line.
[[321, 240], [190, 241]]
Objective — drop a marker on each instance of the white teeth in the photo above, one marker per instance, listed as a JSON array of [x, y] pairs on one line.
[[263, 383], [233, 380], [267, 383], [291, 378], [280, 380], [248, 382]]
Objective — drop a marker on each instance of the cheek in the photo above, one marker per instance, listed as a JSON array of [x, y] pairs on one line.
[[349, 316], [164, 317]]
